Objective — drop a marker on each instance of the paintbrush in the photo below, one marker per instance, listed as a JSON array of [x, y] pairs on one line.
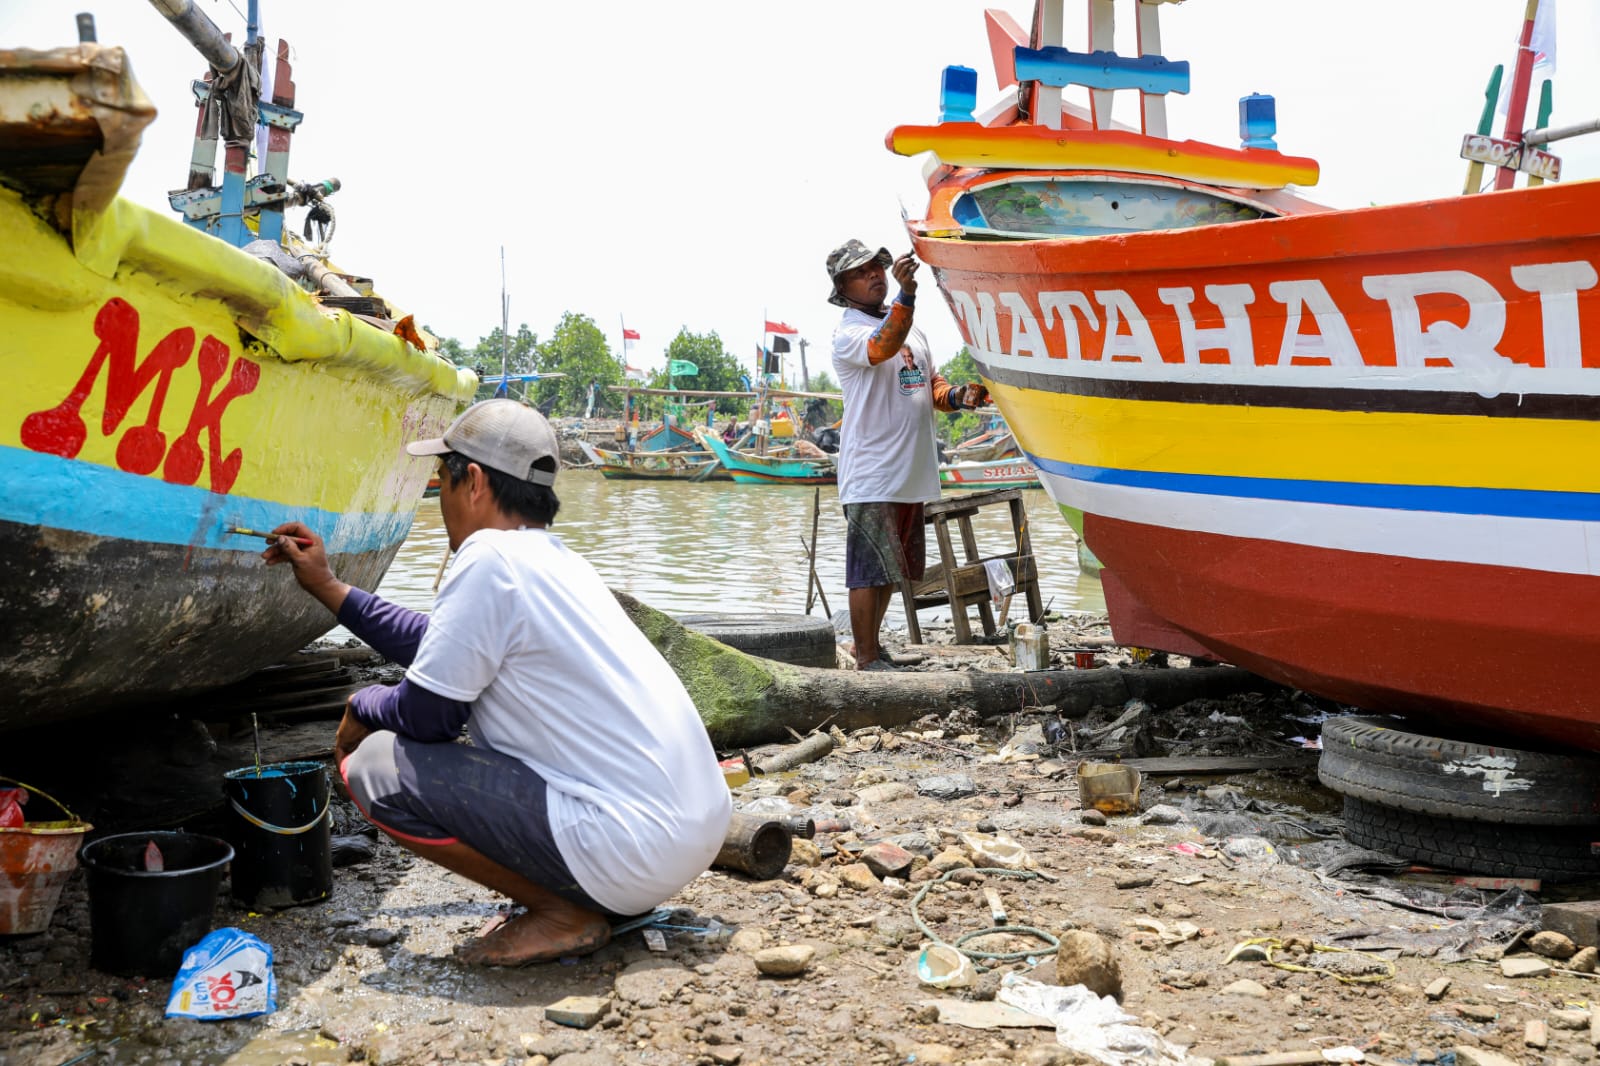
[[304, 542]]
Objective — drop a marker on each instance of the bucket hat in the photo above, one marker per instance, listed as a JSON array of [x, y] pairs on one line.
[[505, 434], [848, 256]]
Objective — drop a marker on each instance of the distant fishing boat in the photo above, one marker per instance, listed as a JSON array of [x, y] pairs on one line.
[[650, 465], [776, 468], [1345, 449], [168, 380]]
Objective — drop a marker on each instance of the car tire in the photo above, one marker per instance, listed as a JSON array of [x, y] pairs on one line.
[[1549, 853], [1369, 760], [797, 639]]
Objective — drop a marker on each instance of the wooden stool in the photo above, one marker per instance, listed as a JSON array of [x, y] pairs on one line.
[[964, 582]]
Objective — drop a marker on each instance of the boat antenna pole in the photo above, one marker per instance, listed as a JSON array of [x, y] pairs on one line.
[[1517, 106], [505, 329]]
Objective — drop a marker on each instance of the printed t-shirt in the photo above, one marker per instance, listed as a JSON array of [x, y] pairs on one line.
[[560, 678], [886, 444]]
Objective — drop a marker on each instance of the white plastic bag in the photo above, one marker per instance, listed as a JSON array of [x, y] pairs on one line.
[[1094, 1025]]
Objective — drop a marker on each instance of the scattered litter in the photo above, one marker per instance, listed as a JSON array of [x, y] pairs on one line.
[[228, 974], [1110, 788], [997, 850], [1093, 1025], [942, 966], [1162, 814], [1250, 849], [1364, 967], [1173, 934], [986, 1015]]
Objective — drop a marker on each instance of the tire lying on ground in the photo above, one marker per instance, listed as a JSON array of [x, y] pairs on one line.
[[1550, 853], [789, 638], [1366, 759]]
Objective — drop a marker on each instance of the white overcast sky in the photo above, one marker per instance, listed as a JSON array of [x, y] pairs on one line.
[[691, 164]]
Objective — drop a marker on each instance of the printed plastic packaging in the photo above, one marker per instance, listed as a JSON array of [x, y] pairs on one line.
[[227, 975]]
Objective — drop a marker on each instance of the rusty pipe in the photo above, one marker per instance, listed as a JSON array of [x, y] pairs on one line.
[[201, 32]]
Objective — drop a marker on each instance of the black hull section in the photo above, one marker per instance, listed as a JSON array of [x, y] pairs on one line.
[[92, 624]]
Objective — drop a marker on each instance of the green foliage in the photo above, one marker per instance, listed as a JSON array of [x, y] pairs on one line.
[[719, 371], [960, 370], [485, 358], [577, 349], [822, 381]]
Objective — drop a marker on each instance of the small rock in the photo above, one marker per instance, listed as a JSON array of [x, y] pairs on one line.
[[578, 1012], [1569, 1019], [886, 792], [1127, 881], [949, 859], [1162, 814], [1092, 817], [748, 941], [1552, 945], [785, 961], [936, 1054], [887, 860], [1087, 959], [1584, 961], [1436, 990], [1098, 836], [803, 852], [859, 877], [1522, 966], [651, 982], [381, 938], [1246, 987], [1536, 1034], [1478, 1056], [726, 1056], [947, 786], [1477, 1012]]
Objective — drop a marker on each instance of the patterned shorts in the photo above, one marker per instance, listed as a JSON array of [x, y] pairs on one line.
[[884, 545]]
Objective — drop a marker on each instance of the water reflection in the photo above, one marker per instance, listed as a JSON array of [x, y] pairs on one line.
[[718, 546]]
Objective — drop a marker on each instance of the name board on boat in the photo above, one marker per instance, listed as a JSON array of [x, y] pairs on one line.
[[144, 448], [1500, 152]]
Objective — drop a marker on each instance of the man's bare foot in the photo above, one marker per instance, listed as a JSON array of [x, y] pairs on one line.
[[539, 936]]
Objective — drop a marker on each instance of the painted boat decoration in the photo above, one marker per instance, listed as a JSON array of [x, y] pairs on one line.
[[1014, 473], [1340, 448], [751, 468], [165, 385]]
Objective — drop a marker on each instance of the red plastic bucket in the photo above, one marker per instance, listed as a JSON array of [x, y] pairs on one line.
[[36, 858]]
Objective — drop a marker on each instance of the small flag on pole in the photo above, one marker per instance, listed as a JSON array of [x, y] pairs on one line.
[[780, 344], [630, 334], [780, 327]]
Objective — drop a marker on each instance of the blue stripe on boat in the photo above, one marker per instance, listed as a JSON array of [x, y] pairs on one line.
[[1442, 499], [47, 490]]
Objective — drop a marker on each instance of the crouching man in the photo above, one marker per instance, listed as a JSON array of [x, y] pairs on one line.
[[589, 790]]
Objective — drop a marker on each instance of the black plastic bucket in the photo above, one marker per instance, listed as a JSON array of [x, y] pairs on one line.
[[281, 834], [142, 921]]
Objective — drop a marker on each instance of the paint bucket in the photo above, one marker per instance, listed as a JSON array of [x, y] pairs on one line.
[[1108, 787], [36, 858], [1083, 658], [142, 921], [281, 834], [1030, 647]]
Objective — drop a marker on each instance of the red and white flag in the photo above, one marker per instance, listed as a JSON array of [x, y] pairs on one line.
[[780, 327]]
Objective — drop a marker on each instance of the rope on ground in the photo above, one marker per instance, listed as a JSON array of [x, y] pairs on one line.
[[991, 957]]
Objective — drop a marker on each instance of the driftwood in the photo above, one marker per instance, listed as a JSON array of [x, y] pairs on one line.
[[808, 750], [745, 701]]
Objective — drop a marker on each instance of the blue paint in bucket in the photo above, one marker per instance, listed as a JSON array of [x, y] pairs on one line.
[[281, 834]]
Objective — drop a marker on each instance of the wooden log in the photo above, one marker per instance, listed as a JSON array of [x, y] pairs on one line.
[[808, 750], [755, 846], [745, 701]]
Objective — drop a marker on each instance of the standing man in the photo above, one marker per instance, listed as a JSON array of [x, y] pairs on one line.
[[888, 461], [590, 789]]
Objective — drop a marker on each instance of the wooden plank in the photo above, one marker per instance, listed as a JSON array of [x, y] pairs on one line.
[[1224, 764]]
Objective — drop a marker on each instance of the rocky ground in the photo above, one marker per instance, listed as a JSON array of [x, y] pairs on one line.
[[820, 964]]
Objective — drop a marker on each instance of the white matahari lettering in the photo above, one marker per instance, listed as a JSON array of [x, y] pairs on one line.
[[1126, 335]]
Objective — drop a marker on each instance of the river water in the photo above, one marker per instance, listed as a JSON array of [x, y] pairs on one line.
[[721, 546]]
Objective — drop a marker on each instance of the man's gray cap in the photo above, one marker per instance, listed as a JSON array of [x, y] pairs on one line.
[[848, 256], [505, 434]]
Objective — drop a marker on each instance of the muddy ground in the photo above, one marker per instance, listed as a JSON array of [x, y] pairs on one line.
[[1207, 862]]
